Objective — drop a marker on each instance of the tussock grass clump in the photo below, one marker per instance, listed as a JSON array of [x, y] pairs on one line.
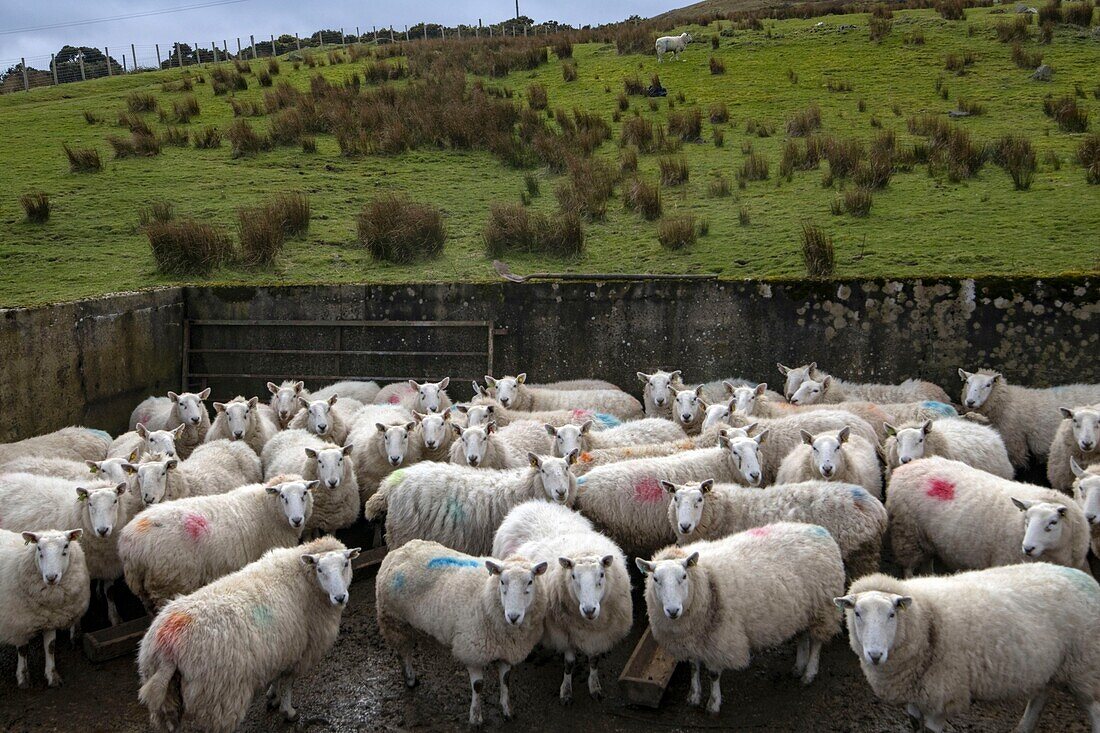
[[753, 168], [83, 160], [914, 38], [674, 171], [959, 62], [286, 126], [951, 9], [245, 140], [817, 251], [260, 234], [744, 218], [188, 247], [970, 107], [183, 85], [623, 102], [1025, 59], [569, 71], [628, 161], [1017, 156], [634, 86], [719, 187], [225, 80], [719, 113], [638, 131], [805, 121], [273, 66], [676, 232], [1088, 155], [644, 198], [242, 67], [1067, 113], [264, 78], [562, 47], [589, 185], [134, 123], [633, 38], [1016, 29], [293, 210], [92, 118], [209, 138], [876, 171], [1077, 13], [759, 128], [514, 228], [138, 144], [377, 72], [719, 136], [175, 136], [138, 102], [858, 200], [157, 211], [245, 108], [839, 85], [531, 185], [1051, 12], [536, 96], [309, 144], [182, 110], [879, 28], [844, 156], [36, 205], [687, 125], [393, 228], [717, 66]]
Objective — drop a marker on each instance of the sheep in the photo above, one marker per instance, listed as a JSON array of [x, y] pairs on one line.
[[480, 617], [241, 419], [214, 468], [1077, 439], [132, 445], [571, 385], [857, 521], [660, 388], [674, 44], [717, 603], [911, 390], [76, 443], [626, 500], [938, 644], [833, 455], [165, 413], [416, 397], [43, 587], [284, 400], [336, 498], [970, 519], [482, 447], [957, 439], [1026, 418], [29, 503], [179, 546], [568, 438], [380, 437], [709, 438], [462, 506], [757, 402], [531, 436], [112, 470], [823, 391], [364, 392], [1086, 492], [514, 393], [485, 407], [329, 418], [689, 409], [435, 434], [205, 654], [588, 609]]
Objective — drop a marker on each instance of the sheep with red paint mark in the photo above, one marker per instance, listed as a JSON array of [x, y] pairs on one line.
[[383, 443], [716, 604], [514, 393], [839, 390], [179, 546], [265, 625], [833, 455], [242, 419], [954, 438], [167, 413], [969, 519], [336, 497], [330, 419], [74, 443], [1077, 439], [705, 510], [213, 468], [415, 396]]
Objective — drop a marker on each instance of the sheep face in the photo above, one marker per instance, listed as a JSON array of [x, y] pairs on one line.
[[115, 470], [102, 507], [745, 454], [477, 414], [1087, 491], [160, 441], [428, 394], [1043, 526], [330, 464], [1086, 427], [507, 388], [660, 386], [238, 416], [910, 441], [553, 474], [795, 376], [744, 398], [333, 573], [569, 438], [587, 582], [51, 552], [284, 399], [873, 622], [717, 414], [296, 498], [475, 443], [977, 388], [687, 404], [810, 391], [517, 587], [687, 503], [319, 415], [189, 406], [433, 428], [827, 452], [669, 583], [395, 441], [152, 480]]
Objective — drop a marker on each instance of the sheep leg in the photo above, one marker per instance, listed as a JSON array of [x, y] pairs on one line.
[[1033, 711], [695, 697], [801, 653], [113, 616], [410, 673], [565, 695], [49, 643], [1094, 716], [505, 671], [286, 704], [935, 722], [916, 718], [813, 660], [476, 674], [21, 667], [594, 688], [74, 634], [714, 704]]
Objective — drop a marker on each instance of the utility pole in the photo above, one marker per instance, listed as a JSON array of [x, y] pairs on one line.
[[517, 9]]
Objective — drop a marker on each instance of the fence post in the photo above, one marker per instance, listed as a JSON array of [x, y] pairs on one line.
[[321, 38], [406, 33], [252, 40], [214, 47], [238, 46], [124, 69], [442, 32], [133, 56], [198, 53], [392, 40], [107, 55], [179, 56], [477, 31], [157, 45], [298, 42], [343, 39], [83, 77], [274, 52], [225, 50], [374, 33], [357, 36], [26, 80], [425, 30], [53, 68]]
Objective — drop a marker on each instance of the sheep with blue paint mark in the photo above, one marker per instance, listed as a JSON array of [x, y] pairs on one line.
[[166, 413], [482, 610], [833, 455], [839, 390], [484, 447], [330, 418], [704, 510], [969, 519], [588, 609], [1077, 439], [460, 506], [716, 604], [936, 645], [514, 393], [954, 438], [74, 443], [336, 497], [205, 654]]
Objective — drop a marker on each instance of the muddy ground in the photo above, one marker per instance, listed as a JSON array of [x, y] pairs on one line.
[[359, 688]]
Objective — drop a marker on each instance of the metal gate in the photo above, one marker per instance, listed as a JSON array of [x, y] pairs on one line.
[[241, 356]]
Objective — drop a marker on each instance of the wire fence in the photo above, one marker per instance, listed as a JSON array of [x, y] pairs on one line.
[[81, 63]]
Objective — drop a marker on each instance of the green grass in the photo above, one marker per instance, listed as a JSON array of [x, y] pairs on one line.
[[918, 226]]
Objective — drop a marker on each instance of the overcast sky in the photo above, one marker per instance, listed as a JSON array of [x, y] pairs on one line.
[[226, 19]]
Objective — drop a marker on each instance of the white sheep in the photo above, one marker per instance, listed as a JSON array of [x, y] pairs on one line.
[[970, 519], [660, 388], [481, 617], [485, 407], [833, 455], [1026, 418], [179, 546], [856, 520], [716, 604], [75, 443], [483, 447], [530, 436], [1077, 439], [462, 506], [689, 409], [588, 609], [1086, 492], [515, 394], [132, 445], [364, 392], [416, 397], [214, 468], [672, 44], [284, 400], [911, 390], [571, 385], [241, 419], [43, 587], [957, 439], [436, 436], [336, 497], [112, 470], [583, 438], [601, 457], [936, 645], [205, 654], [330, 418], [166, 413], [380, 436]]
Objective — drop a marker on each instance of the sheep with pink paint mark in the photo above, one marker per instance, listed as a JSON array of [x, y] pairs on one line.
[[179, 546], [166, 413], [969, 519], [336, 496], [330, 418], [833, 455], [716, 604], [415, 396], [74, 443]]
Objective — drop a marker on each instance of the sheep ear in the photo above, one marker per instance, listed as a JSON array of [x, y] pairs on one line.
[[414, 385], [121, 488], [806, 437], [490, 428], [723, 437], [254, 401], [418, 417], [889, 429], [730, 388], [457, 429], [811, 366], [784, 370], [826, 381], [178, 432], [129, 468], [81, 493], [489, 381], [310, 453], [381, 428], [352, 553], [311, 485], [845, 602], [565, 562], [550, 430], [443, 383], [844, 433], [572, 457], [272, 388], [762, 437], [493, 568], [271, 489], [308, 560], [410, 426], [1062, 511], [963, 374], [303, 402], [463, 408], [607, 560], [540, 568], [691, 560], [332, 400], [94, 467], [171, 465], [490, 409], [219, 407], [30, 538], [587, 426], [903, 602], [706, 486], [478, 391], [643, 377], [761, 388], [644, 566], [673, 376], [699, 391], [534, 460], [1021, 504], [446, 416], [346, 450], [1076, 467], [204, 394], [668, 486], [521, 378], [927, 427], [143, 431], [750, 427], [1066, 413], [173, 396], [299, 386]]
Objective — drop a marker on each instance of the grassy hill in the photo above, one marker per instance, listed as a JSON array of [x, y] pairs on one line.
[[921, 224]]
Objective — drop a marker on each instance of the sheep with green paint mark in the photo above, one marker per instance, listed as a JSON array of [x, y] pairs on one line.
[[481, 609], [954, 438], [833, 455]]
